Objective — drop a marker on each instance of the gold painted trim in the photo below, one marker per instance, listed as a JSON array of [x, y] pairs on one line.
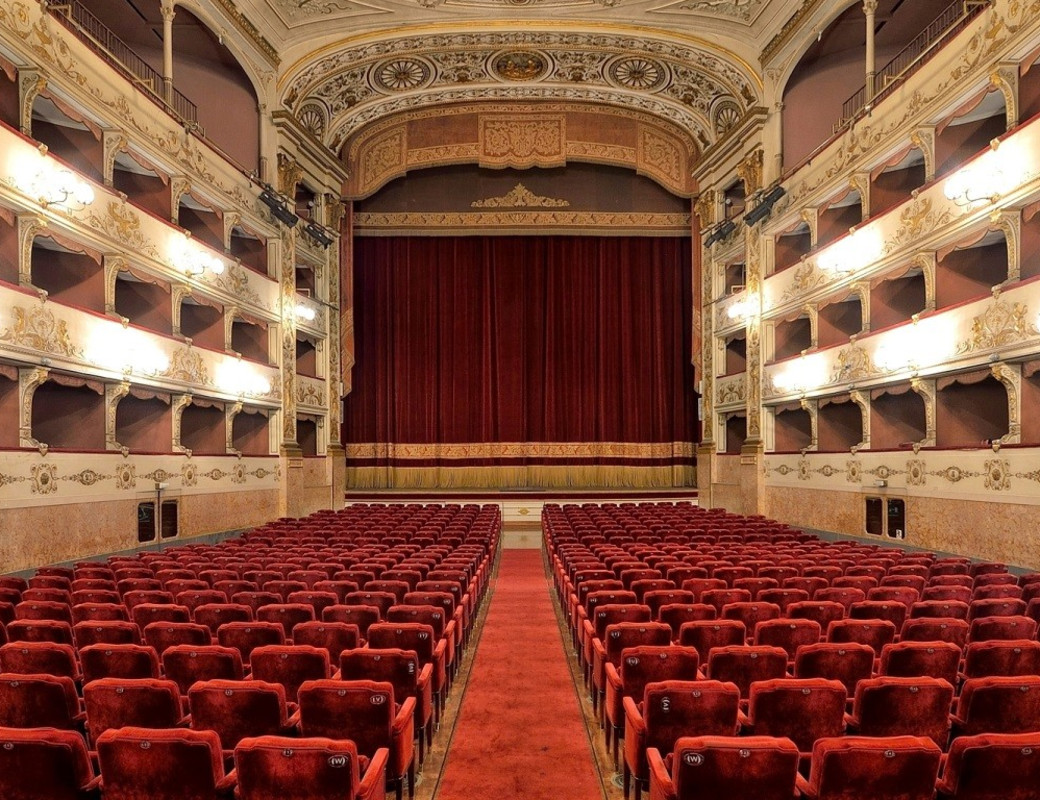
[[251, 31], [521, 450], [547, 477], [620, 223], [523, 25], [789, 29]]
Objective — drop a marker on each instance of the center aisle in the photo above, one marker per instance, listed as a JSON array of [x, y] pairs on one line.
[[520, 731]]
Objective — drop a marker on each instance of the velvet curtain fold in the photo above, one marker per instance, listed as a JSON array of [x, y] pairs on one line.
[[481, 351]]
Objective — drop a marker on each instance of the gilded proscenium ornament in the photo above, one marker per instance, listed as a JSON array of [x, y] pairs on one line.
[[37, 329], [750, 171], [754, 347], [520, 197]]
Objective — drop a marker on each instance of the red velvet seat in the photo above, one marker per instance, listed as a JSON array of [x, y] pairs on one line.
[[176, 764], [119, 702], [46, 763], [800, 709], [872, 768], [237, 709], [888, 706], [616, 639], [185, 664], [986, 629], [316, 768], [92, 611], [47, 658], [790, 634], [992, 766], [640, 666], [998, 704], [119, 661], [255, 600], [402, 670], [935, 629], [704, 635], [163, 635], [285, 614], [939, 608], [362, 616], [381, 600], [710, 767], [334, 637], [848, 663], [289, 666], [911, 659], [670, 710], [365, 713], [39, 701], [874, 632], [213, 615], [1002, 657], [39, 630], [743, 665], [247, 636]]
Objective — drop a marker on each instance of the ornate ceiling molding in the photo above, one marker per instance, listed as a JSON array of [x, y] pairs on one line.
[[693, 87], [519, 135]]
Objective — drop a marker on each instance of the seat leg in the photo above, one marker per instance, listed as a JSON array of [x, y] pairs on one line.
[[639, 787], [422, 747], [616, 736], [399, 787], [411, 780], [626, 779]]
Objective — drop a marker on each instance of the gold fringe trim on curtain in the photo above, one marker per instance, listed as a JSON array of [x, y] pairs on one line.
[[523, 477]]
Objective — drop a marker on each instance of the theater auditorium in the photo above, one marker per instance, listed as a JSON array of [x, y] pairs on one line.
[[535, 399]]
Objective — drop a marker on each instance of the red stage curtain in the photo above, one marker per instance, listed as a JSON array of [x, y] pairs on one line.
[[464, 340]]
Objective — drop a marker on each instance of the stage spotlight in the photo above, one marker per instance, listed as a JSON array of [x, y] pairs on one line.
[[279, 207], [722, 230], [765, 205], [318, 234]]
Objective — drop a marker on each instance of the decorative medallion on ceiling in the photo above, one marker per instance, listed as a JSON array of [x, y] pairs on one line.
[[695, 88], [743, 10]]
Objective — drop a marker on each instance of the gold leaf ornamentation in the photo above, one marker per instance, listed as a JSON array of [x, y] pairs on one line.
[[1001, 324], [520, 197], [187, 366], [38, 329], [853, 363]]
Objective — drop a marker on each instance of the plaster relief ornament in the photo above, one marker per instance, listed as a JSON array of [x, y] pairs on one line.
[[519, 65]]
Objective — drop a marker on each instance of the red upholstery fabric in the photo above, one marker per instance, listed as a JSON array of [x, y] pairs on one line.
[[848, 663], [709, 767], [121, 702], [119, 661], [48, 658], [44, 763], [185, 664], [998, 704], [236, 709], [307, 769], [289, 666], [910, 659], [333, 637], [992, 766], [175, 764], [744, 665], [801, 709], [706, 635], [888, 706], [247, 636], [903, 767], [1002, 657], [46, 701]]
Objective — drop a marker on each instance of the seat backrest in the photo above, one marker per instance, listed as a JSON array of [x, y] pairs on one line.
[[38, 701], [863, 766], [802, 709], [360, 710], [1002, 765], [935, 629], [334, 637], [705, 635], [361, 615], [119, 702], [162, 635], [424, 614], [169, 764], [289, 665], [247, 636], [622, 635], [743, 665], [213, 615], [759, 767], [891, 706], [875, 632], [47, 658], [645, 664], [1002, 657], [119, 661], [277, 766], [185, 664], [790, 634], [999, 704], [849, 663], [674, 708], [985, 629], [43, 763], [910, 659], [236, 709], [392, 665]]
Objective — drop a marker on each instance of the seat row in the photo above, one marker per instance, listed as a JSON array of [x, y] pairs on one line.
[[908, 767]]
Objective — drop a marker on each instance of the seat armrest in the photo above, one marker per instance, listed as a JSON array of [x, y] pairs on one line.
[[373, 782], [661, 786], [613, 678], [405, 718], [293, 723], [425, 679], [743, 720], [633, 719], [226, 785], [801, 786]]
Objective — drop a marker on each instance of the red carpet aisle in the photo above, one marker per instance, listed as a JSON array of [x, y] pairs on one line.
[[520, 732]]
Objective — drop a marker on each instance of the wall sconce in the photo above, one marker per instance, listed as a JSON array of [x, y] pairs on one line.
[[744, 309], [53, 185], [803, 374], [851, 253], [126, 350], [239, 378], [194, 261], [985, 180], [305, 312]]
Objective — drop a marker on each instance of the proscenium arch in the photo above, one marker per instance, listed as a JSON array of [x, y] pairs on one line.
[[340, 89], [519, 135]]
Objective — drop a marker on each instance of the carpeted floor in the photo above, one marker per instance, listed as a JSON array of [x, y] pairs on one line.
[[520, 731]]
